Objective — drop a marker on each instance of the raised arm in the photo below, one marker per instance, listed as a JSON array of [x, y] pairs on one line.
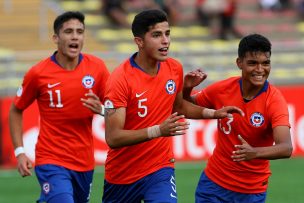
[[191, 80], [117, 136], [15, 121]]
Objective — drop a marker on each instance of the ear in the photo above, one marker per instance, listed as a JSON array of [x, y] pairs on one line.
[[239, 63], [139, 41], [55, 38]]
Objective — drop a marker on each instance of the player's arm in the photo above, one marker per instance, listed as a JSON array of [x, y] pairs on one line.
[[117, 136], [15, 123], [92, 102], [193, 111], [191, 80], [282, 147]]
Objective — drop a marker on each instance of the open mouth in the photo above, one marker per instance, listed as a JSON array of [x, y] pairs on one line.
[[163, 50]]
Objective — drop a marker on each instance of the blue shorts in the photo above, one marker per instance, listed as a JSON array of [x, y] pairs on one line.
[[156, 187], [209, 192], [59, 184]]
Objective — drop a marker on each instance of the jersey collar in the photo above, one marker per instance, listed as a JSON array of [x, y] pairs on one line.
[[264, 89], [53, 58], [135, 65]]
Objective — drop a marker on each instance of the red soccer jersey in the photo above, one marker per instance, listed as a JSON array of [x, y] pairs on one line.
[[148, 101], [65, 136], [262, 114]]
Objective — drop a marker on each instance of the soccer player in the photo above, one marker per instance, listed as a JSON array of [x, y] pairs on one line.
[[143, 106], [68, 87], [238, 170]]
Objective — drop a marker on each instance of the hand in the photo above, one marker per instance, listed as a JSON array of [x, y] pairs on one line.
[[244, 151], [171, 126], [92, 102], [194, 78], [227, 112], [24, 165]]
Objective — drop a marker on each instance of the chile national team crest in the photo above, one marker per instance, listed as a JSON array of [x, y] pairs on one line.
[[170, 87], [257, 119], [88, 81]]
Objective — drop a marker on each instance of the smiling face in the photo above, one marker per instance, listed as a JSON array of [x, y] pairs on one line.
[[70, 39], [255, 68], [155, 43]]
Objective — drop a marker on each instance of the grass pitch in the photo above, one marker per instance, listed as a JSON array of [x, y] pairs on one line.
[[286, 183]]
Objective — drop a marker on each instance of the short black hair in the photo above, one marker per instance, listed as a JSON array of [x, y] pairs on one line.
[[143, 20], [66, 17], [253, 43]]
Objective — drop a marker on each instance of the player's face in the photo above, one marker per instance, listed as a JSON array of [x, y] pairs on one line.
[[70, 39], [255, 68], [156, 42]]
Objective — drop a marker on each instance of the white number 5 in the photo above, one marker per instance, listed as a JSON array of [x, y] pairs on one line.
[[143, 107]]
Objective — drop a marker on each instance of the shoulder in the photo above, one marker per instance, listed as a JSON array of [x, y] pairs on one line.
[[274, 93], [40, 67], [89, 58], [223, 84], [173, 63]]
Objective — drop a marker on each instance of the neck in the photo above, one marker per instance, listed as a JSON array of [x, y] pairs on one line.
[[67, 63], [149, 65]]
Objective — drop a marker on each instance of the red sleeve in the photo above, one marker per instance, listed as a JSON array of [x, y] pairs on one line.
[[28, 91], [204, 97], [117, 89], [277, 109]]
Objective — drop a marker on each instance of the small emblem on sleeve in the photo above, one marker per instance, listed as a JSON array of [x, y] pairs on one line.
[[88, 81], [170, 87], [257, 119], [19, 91], [108, 104]]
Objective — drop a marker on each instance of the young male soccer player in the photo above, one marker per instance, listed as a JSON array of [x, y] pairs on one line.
[[238, 169], [141, 95], [65, 86]]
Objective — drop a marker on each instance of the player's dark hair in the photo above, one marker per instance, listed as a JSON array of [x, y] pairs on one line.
[[145, 19], [253, 43], [58, 23]]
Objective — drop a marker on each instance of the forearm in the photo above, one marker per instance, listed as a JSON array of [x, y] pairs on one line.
[[15, 123], [121, 138], [278, 151], [192, 111], [187, 95]]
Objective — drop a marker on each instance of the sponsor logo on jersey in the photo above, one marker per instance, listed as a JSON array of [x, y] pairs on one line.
[[170, 87], [46, 187], [88, 81], [108, 104], [19, 91], [257, 119]]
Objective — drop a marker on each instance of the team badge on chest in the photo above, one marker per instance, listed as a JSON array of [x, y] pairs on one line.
[[88, 81], [257, 119], [170, 87]]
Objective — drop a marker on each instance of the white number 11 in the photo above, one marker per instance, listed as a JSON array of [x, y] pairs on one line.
[[59, 104]]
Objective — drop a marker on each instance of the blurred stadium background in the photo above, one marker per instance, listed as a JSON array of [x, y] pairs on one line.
[[25, 38]]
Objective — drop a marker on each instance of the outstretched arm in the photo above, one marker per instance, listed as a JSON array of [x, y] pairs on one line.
[[281, 149], [193, 111], [117, 136], [15, 121]]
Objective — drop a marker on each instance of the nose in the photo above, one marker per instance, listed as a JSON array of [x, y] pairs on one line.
[[165, 39]]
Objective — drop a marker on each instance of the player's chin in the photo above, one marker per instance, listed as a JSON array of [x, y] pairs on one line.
[[162, 57]]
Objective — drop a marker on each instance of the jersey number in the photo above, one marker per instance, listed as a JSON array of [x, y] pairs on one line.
[[226, 129], [52, 104], [143, 109]]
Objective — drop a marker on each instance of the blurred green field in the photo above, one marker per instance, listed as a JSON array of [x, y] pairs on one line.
[[286, 183]]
